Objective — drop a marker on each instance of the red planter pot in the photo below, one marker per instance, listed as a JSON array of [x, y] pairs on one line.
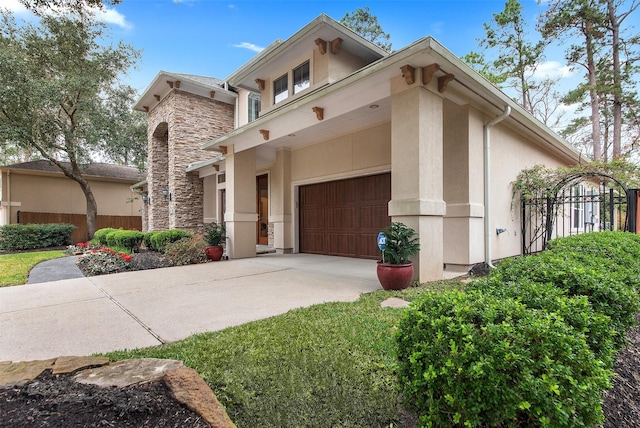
[[214, 253], [395, 277]]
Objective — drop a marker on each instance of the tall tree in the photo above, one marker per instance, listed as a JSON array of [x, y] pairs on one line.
[[39, 7], [57, 95], [616, 18], [517, 57], [362, 22], [584, 19]]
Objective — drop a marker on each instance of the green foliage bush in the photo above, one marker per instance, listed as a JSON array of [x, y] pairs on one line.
[[575, 311], [606, 291], [471, 359], [101, 235], [186, 251], [128, 239], [159, 240], [146, 240], [29, 236]]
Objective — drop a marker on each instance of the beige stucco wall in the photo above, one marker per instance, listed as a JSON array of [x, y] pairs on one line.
[[56, 194], [511, 154], [365, 151]]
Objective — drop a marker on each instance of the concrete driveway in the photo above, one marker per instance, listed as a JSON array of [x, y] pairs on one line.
[[146, 308]]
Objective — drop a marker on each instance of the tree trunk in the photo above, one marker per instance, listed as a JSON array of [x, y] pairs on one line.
[[92, 209], [617, 79], [593, 94]]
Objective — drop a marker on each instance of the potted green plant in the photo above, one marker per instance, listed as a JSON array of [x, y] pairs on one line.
[[395, 270], [214, 235]]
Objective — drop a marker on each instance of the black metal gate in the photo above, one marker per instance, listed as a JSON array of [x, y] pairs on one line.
[[577, 205]]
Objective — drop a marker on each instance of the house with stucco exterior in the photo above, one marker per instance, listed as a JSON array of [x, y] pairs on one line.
[[38, 192], [323, 139]]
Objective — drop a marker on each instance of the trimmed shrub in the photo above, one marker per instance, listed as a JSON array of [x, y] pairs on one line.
[[101, 235], [575, 311], [159, 240], [104, 261], [468, 359], [129, 239], [29, 236], [186, 251], [146, 240], [605, 290], [617, 252]]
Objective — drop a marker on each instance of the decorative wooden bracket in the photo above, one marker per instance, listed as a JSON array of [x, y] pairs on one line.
[[265, 134], [212, 94], [146, 108], [170, 83], [261, 84], [428, 72], [224, 149], [322, 46], [319, 111], [409, 74], [178, 84], [157, 97], [443, 82], [335, 44]]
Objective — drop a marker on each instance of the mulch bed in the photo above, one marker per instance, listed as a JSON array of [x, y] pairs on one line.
[[58, 401]]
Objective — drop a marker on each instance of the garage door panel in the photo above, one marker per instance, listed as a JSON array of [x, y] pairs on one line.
[[344, 217], [341, 244], [340, 218], [368, 246]]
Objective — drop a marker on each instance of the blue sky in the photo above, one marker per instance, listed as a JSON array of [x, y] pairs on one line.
[[214, 38]]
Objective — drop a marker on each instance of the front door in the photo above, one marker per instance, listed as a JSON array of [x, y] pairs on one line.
[[262, 201]]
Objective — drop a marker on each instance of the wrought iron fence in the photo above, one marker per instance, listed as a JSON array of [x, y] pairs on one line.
[[577, 208]]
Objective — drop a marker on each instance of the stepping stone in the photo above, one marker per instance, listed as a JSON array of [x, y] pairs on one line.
[[127, 372], [22, 372], [64, 365], [394, 302]]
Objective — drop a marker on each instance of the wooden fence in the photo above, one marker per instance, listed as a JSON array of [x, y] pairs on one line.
[[80, 221]]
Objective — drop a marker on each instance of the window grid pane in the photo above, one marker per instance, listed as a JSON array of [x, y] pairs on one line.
[[281, 88], [301, 78]]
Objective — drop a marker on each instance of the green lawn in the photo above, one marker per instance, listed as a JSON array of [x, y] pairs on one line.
[[14, 268], [328, 365]]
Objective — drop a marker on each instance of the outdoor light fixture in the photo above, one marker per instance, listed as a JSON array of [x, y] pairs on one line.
[[166, 195], [145, 198]]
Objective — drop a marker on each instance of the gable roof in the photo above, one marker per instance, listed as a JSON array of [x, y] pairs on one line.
[[96, 170], [166, 81]]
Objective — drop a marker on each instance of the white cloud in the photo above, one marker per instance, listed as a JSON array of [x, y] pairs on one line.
[[13, 6], [437, 27], [552, 70], [108, 16], [112, 16], [250, 46]]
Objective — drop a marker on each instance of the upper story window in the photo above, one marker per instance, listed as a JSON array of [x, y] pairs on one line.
[[254, 106], [281, 88], [301, 78]]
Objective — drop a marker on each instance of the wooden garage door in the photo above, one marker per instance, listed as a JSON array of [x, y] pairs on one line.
[[343, 218]]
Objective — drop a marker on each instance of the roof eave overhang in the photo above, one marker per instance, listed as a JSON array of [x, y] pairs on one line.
[[165, 82], [279, 46], [491, 99]]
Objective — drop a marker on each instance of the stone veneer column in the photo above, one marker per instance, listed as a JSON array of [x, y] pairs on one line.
[[281, 216], [241, 216], [157, 175], [416, 171]]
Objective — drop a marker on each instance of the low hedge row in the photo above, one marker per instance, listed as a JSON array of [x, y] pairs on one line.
[[159, 240], [531, 345], [118, 238], [29, 236]]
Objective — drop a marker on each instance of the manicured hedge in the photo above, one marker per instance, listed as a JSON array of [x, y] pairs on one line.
[[129, 239], [146, 239], [29, 236], [101, 235], [472, 359], [531, 345], [159, 240]]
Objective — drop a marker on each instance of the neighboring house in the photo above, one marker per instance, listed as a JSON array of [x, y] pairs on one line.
[[321, 140], [39, 190]]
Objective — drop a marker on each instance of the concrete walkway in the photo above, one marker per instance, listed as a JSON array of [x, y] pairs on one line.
[[145, 308]]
